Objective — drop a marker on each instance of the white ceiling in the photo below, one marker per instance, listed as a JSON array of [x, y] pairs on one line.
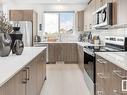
[[52, 1]]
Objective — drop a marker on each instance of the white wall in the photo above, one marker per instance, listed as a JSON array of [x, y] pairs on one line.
[[40, 8], [1, 5]]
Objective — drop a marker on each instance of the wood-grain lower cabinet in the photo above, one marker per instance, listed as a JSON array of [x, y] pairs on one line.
[[17, 84], [31, 83], [29, 80], [81, 57], [66, 52], [110, 79], [70, 53], [118, 75], [51, 53], [58, 51], [41, 71], [3, 89], [103, 76]]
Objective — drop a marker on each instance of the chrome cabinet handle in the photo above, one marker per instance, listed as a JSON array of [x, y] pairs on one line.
[[100, 93], [115, 92], [24, 81], [117, 72], [27, 73], [99, 60], [124, 85], [101, 76], [102, 61]]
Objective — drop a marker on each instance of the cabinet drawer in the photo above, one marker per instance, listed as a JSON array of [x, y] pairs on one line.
[[102, 66], [118, 75], [103, 76]]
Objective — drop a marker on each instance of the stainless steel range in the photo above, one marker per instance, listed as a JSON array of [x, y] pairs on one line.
[[112, 44]]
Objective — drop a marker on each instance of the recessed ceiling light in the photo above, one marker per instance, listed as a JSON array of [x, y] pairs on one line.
[[58, 0]]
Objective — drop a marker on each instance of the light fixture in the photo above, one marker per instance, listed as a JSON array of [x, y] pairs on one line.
[[58, 0]]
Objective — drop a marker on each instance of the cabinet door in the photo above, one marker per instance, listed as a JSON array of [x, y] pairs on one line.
[[81, 58], [98, 4], [32, 80], [107, 77], [99, 75], [70, 53], [103, 76], [73, 54], [121, 12], [65, 52], [3, 89], [15, 85], [27, 15], [81, 20], [16, 15], [43, 62], [51, 53], [88, 15], [41, 71], [92, 8], [59, 52]]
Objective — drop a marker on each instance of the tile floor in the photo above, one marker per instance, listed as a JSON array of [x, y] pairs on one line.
[[64, 79]]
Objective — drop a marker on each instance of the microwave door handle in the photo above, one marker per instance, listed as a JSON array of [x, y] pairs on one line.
[[104, 12]]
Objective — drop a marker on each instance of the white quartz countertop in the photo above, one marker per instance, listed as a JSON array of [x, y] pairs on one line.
[[79, 43], [53, 42], [87, 44], [12, 64], [117, 58]]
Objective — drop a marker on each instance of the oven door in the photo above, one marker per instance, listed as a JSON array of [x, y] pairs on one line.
[[89, 64]]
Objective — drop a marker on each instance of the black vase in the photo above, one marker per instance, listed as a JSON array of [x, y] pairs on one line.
[[5, 44], [15, 37], [18, 47]]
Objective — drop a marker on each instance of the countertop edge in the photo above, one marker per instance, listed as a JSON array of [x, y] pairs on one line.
[[20, 68], [101, 54]]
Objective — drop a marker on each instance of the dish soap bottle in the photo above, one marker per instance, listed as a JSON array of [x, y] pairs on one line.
[[90, 37]]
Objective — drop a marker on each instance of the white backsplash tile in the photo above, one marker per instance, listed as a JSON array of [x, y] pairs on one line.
[[113, 32]]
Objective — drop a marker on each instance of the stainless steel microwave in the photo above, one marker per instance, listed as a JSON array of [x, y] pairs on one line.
[[103, 16]]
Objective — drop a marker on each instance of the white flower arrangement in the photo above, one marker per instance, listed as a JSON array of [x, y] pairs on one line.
[[5, 26]]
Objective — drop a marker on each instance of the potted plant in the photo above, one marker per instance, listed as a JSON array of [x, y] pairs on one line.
[[5, 39]]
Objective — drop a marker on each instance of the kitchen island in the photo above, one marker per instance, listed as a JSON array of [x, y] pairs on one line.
[[23, 74]]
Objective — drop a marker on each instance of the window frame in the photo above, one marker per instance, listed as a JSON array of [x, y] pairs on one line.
[[59, 18]]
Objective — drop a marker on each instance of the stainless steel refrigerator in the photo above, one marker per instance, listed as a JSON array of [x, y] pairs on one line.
[[26, 30]]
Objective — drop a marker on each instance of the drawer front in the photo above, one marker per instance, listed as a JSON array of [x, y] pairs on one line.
[[119, 76], [103, 76]]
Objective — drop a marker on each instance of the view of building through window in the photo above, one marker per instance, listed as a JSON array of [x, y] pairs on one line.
[[59, 22]]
